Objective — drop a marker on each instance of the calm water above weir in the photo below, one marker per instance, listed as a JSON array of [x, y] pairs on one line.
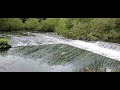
[[47, 52]]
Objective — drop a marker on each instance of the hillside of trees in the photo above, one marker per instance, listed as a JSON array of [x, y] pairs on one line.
[[90, 29]]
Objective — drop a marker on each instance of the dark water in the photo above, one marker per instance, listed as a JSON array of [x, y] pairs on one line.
[[47, 53]]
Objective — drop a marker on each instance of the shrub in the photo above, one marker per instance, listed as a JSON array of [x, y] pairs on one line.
[[64, 25], [10, 23], [85, 20], [49, 24], [106, 29], [102, 24], [4, 43], [32, 24], [89, 28], [80, 30]]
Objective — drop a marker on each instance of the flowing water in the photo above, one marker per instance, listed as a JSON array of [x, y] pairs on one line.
[[47, 52]]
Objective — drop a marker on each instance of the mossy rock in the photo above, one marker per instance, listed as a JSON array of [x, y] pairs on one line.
[[5, 46]]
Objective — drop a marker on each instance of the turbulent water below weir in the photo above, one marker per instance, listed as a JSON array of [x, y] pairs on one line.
[[47, 52]]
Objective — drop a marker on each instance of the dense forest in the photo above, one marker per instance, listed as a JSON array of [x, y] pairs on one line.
[[91, 29]]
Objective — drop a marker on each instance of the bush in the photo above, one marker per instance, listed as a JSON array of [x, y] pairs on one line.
[[106, 29], [103, 27], [49, 24], [64, 25], [103, 24], [32, 24], [10, 23], [80, 31], [4, 43]]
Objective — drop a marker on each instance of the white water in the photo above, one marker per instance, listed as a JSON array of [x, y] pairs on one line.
[[109, 50], [113, 46], [10, 63], [93, 47]]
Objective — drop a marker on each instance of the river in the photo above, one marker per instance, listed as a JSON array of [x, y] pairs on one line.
[[47, 52]]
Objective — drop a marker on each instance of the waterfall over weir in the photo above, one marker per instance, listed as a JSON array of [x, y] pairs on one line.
[[52, 53], [108, 45], [110, 50]]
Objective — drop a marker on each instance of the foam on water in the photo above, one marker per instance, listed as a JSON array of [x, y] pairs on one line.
[[14, 63], [93, 47], [109, 50], [109, 45], [37, 39]]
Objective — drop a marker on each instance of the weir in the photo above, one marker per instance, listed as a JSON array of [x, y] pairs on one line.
[[110, 50], [51, 53]]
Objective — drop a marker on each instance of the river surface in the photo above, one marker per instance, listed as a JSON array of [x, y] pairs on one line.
[[47, 52]]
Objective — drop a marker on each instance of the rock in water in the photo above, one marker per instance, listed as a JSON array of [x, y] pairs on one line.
[[4, 46]]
